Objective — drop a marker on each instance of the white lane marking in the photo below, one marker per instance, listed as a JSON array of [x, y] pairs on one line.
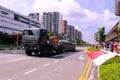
[[4, 55], [62, 59], [30, 71], [81, 57], [56, 61], [46, 65], [14, 52], [9, 79], [17, 60], [66, 57]]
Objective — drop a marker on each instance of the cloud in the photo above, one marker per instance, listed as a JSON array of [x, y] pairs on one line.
[[85, 20], [72, 11], [63, 6], [20, 6]]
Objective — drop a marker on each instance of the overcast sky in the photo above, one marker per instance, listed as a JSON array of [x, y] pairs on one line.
[[86, 15]]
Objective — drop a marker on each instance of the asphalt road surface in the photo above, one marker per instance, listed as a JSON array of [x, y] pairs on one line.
[[15, 65]]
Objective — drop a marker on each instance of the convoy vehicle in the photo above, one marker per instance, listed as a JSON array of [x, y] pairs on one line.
[[68, 45], [37, 40]]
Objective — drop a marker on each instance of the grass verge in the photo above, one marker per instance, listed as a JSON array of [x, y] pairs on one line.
[[110, 70], [92, 49]]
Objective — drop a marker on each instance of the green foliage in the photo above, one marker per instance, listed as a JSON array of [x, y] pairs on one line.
[[92, 49], [52, 34], [6, 39], [110, 70], [2, 49], [102, 36], [118, 39], [81, 43], [118, 28]]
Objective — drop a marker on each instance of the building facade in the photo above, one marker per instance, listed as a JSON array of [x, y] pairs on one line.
[[76, 34], [52, 21], [64, 27], [47, 21], [117, 7], [13, 23], [79, 35], [71, 31]]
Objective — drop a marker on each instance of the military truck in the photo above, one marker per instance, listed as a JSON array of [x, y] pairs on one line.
[[36, 41]]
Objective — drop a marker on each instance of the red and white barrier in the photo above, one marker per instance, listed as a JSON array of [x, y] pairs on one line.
[[99, 57]]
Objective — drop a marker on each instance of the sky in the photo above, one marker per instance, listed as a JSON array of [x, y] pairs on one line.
[[86, 15]]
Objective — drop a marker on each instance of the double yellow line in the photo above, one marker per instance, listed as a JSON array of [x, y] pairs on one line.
[[86, 71]]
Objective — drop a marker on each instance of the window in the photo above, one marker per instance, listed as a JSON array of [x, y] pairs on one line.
[[3, 12], [16, 17], [38, 25], [31, 32], [24, 20], [33, 23], [21, 19]]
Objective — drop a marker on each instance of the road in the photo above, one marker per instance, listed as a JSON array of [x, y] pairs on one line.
[[15, 65]]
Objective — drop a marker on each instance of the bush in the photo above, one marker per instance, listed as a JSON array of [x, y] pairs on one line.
[[2, 49], [110, 70], [92, 49]]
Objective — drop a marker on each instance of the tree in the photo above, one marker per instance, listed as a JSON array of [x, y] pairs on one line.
[[118, 39], [102, 34], [81, 43], [52, 34], [118, 28], [6, 39], [1, 36]]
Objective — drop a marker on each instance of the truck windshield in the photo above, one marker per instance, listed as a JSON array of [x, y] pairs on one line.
[[31, 32]]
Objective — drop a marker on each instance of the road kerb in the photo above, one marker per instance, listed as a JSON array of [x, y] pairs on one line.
[[86, 71]]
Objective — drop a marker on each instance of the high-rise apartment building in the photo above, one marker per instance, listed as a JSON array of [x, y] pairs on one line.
[[79, 35], [36, 17], [71, 31], [75, 33], [117, 7], [64, 27], [47, 21], [52, 21]]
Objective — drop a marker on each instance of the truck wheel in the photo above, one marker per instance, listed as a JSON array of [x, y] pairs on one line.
[[36, 52], [44, 51], [60, 50], [74, 49], [28, 52], [51, 50]]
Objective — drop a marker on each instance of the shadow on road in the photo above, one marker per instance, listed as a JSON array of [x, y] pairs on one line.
[[56, 56]]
